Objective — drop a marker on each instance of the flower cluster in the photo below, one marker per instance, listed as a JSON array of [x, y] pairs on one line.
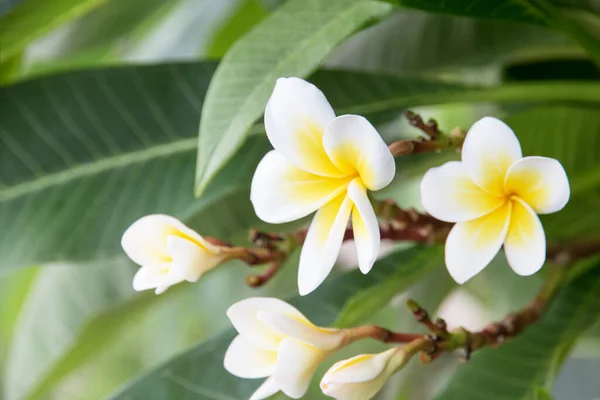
[[326, 165], [277, 342]]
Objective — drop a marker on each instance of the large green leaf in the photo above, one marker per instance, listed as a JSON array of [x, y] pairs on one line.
[[33, 18], [289, 42], [433, 42], [548, 12], [198, 373], [85, 154], [517, 368]]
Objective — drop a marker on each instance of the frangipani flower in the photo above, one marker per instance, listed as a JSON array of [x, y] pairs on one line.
[[168, 252], [276, 341], [361, 377], [493, 195], [325, 163]]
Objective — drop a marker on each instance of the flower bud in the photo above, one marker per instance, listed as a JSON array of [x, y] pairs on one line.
[[168, 252], [361, 377]]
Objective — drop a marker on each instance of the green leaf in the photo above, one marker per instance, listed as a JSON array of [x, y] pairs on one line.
[[289, 42], [571, 135], [32, 18], [198, 373], [518, 367], [368, 301], [433, 42], [85, 154], [244, 17], [544, 12]]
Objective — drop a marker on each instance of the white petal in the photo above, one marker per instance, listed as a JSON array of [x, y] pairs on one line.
[[281, 192], [295, 120], [150, 277], [244, 317], [360, 368], [190, 261], [268, 388], [296, 365], [245, 360], [490, 148], [540, 182], [364, 226], [355, 146], [449, 194], [145, 241], [525, 243], [361, 377], [322, 244], [302, 329], [471, 245]]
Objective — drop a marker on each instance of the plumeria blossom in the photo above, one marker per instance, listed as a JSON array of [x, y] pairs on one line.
[[168, 252], [494, 195], [325, 163], [277, 342], [361, 377]]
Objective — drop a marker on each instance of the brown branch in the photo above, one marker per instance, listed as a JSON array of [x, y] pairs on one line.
[[430, 129]]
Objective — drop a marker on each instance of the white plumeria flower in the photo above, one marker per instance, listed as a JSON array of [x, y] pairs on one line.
[[493, 195], [361, 377], [325, 163], [168, 252], [276, 341]]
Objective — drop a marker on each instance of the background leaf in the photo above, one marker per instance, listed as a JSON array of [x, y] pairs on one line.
[[289, 42], [516, 368], [32, 18]]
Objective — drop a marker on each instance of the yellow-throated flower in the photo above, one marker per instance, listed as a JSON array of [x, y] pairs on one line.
[[325, 163], [168, 252], [361, 377], [276, 341], [493, 195]]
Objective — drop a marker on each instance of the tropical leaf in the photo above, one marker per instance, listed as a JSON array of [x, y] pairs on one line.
[[289, 42], [32, 18], [434, 42], [517, 368], [197, 373]]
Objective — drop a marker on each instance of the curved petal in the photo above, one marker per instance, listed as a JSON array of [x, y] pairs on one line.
[[268, 388], [540, 182], [490, 148], [360, 368], [245, 360], [322, 244], [302, 329], [355, 146], [449, 194], [281, 192], [364, 226], [190, 261], [295, 120], [525, 243], [296, 365], [145, 241], [473, 244], [151, 277], [244, 317]]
